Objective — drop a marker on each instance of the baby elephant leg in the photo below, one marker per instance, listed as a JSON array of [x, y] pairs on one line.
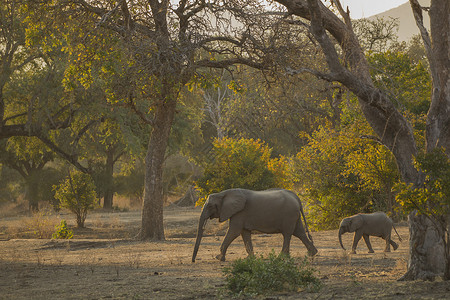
[[394, 244], [367, 240], [356, 239], [388, 244]]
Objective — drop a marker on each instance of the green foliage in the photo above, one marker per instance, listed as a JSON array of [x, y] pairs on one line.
[[253, 275], [131, 184], [77, 193], [62, 231], [343, 174], [11, 184], [408, 82], [434, 196], [243, 163]]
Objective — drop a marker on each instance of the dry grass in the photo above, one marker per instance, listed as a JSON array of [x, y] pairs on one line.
[[39, 225]]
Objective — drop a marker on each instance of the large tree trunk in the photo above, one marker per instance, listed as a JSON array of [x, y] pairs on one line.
[[426, 248], [152, 212]]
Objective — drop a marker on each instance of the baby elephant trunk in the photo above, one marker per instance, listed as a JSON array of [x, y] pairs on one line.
[[341, 231]]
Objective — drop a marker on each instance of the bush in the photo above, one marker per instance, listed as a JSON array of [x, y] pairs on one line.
[[77, 193], [243, 163], [252, 275], [62, 232]]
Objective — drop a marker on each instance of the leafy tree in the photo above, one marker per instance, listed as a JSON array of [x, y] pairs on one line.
[[408, 83], [243, 163], [77, 193], [29, 157], [150, 51], [30, 78], [342, 173]]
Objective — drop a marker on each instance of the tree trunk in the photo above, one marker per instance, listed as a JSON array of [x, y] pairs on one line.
[[33, 190], [152, 212], [109, 176], [426, 248]]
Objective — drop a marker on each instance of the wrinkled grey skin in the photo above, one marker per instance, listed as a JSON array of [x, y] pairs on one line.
[[270, 211], [365, 225]]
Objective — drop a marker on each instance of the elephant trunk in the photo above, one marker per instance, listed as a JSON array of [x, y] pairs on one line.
[[201, 226], [341, 231]]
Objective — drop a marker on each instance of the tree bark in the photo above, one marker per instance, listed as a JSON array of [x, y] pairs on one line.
[[152, 211], [109, 176], [426, 248], [33, 190]]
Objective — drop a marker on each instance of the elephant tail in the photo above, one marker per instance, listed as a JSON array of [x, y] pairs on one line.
[[304, 218], [397, 233]]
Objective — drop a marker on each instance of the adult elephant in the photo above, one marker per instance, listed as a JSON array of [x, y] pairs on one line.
[[365, 225], [270, 211]]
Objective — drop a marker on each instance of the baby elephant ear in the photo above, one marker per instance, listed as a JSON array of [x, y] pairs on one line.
[[232, 203], [355, 223]]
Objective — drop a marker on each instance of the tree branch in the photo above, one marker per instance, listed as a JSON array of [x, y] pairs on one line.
[[73, 159]]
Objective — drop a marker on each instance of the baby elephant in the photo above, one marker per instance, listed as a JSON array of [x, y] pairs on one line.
[[365, 225]]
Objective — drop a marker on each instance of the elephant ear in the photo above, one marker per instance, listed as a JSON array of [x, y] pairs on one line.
[[232, 203], [355, 223]]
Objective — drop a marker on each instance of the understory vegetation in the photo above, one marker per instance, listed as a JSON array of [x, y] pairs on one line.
[[276, 273]]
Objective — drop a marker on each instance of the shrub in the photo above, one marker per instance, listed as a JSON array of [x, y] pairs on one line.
[[243, 163], [77, 193], [253, 275], [62, 232]]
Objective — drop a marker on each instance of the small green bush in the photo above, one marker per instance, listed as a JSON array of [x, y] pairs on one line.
[[77, 193], [256, 276], [62, 232]]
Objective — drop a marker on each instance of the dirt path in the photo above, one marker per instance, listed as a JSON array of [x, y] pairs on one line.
[[102, 262]]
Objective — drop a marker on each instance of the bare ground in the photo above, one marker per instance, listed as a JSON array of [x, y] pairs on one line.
[[104, 262]]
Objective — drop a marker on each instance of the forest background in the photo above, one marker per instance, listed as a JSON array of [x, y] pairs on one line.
[[84, 88]]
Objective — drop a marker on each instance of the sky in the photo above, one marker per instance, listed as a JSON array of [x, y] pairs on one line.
[[367, 8]]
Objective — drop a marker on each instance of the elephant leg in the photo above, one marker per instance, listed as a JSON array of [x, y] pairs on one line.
[[286, 243], [300, 233], [367, 240], [356, 239], [388, 245], [231, 235], [247, 237]]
